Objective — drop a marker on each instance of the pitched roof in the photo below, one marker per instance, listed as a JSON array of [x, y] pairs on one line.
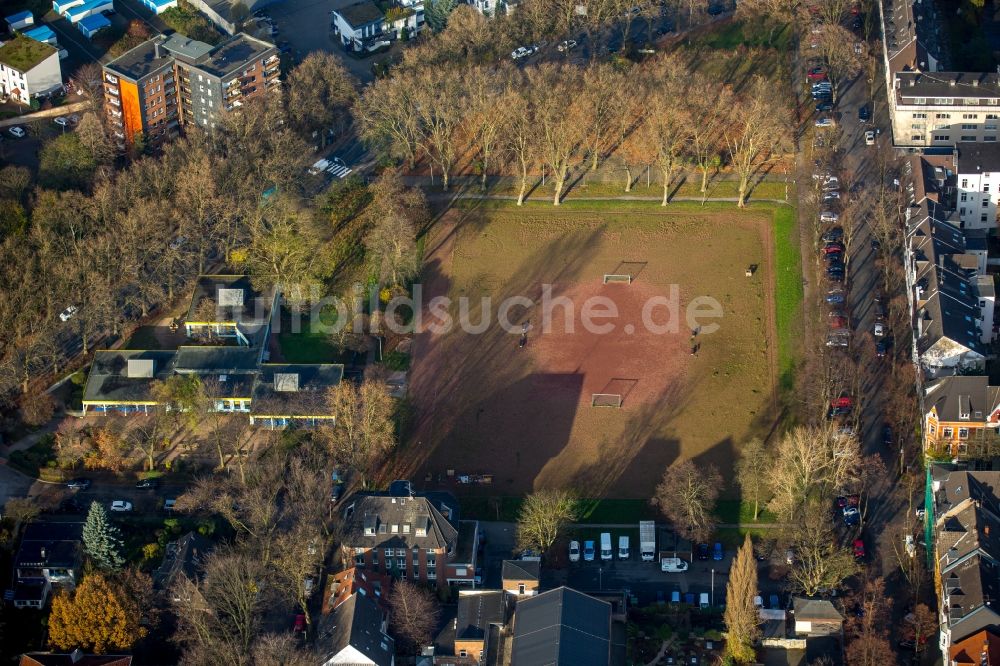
[[815, 609], [477, 610], [124, 375], [521, 569], [47, 659], [50, 545], [979, 649], [562, 626], [977, 157], [961, 395], [182, 557], [356, 623], [343, 584], [973, 85], [382, 520]]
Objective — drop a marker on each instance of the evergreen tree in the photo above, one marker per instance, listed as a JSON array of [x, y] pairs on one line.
[[101, 539], [436, 13], [741, 615]]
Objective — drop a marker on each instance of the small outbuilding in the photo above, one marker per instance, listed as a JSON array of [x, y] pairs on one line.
[[20, 21], [93, 24]]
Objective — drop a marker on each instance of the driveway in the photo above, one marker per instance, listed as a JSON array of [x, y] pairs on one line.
[[13, 484]]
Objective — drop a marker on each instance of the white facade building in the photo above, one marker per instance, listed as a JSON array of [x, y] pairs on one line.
[[28, 69], [977, 169]]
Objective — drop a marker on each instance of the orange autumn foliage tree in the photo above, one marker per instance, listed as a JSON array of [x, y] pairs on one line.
[[98, 617]]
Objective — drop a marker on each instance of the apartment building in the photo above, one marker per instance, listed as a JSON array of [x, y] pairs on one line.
[[414, 536], [962, 417], [168, 82], [977, 175], [965, 517], [28, 69]]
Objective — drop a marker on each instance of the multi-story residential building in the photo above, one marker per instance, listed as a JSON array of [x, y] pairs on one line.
[[962, 418], [355, 632], [168, 82], [950, 294], [414, 536], [979, 649], [49, 555], [977, 175], [965, 516], [28, 69], [362, 26]]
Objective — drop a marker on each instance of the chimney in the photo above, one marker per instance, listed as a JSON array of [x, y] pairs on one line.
[[975, 83], [952, 82], [42, 552], [156, 50], [913, 82]]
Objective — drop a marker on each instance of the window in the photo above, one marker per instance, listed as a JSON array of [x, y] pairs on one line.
[[968, 127], [400, 552], [388, 552], [968, 138], [943, 100], [982, 218], [986, 202], [359, 559], [917, 126], [520, 588], [463, 653], [965, 183], [942, 116], [990, 138], [969, 116], [933, 428], [382, 528], [374, 558], [992, 100], [964, 197], [920, 100], [431, 573], [963, 433], [986, 187], [947, 432], [942, 137], [401, 563], [919, 116], [395, 529]]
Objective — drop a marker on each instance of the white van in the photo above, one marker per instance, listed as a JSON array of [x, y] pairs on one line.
[[703, 600], [319, 167], [606, 552], [623, 548]]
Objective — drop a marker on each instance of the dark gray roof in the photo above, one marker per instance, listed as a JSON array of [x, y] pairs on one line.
[[254, 305], [521, 569], [972, 586], [217, 359], [477, 610], [308, 398], [960, 395], [141, 61], [361, 13], [371, 517], [960, 485], [929, 85], [234, 54], [465, 547], [562, 626], [356, 622], [60, 542], [977, 157], [109, 378], [29, 590]]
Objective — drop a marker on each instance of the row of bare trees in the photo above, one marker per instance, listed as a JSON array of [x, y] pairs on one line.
[[563, 119]]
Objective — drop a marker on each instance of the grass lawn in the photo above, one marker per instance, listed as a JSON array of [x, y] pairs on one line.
[[690, 188], [788, 291], [607, 511], [31, 461], [307, 346], [737, 512]]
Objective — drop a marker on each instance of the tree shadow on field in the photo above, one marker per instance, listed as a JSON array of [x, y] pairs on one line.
[[456, 374]]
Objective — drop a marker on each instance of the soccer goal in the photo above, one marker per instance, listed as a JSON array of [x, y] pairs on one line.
[[606, 400], [617, 277]]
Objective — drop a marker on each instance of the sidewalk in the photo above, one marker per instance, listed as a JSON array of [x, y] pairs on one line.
[[47, 113]]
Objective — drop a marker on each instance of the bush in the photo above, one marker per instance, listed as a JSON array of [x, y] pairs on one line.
[[346, 199], [396, 360], [152, 551]]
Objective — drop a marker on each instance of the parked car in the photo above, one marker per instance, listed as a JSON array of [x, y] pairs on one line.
[[121, 505], [836, 297], [146, 483], [78, 484], [823, 107], [588, 551], [876, 245], [833, 235], [300, 623], [520, 52], [879, 329], [61, 121], [842, 401], [847, 500], [837, 322], [831, 195], [881, 347], [909, 545], [833, 247], [717, 552], [566, 46], [816, 74], [859, 549], [16, 132], [887, 435], [715, 10], [864, 115], [851, 516], [870, 138], [574, 551], [828, 216], [702, 551], [68, 313], [337, 491], [823, 122]]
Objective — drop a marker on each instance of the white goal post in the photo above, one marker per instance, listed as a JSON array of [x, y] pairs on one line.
[[617, 277], [606, 400]]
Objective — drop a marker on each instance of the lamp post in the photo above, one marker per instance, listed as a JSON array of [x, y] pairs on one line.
[[713, 588], [600, 578]]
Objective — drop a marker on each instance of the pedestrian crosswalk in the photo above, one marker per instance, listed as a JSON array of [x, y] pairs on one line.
[[338, 170]]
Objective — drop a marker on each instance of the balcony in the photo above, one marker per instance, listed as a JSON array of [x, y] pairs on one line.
[[120, 135], [109, 78], [114, 102], [169, 91], [115, 114], [272, 59], [113, 91], [271, 71], [232, 94]]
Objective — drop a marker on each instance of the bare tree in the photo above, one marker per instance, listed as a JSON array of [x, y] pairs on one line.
[[413, 613], [364, 431], [320, 93], [544, 516], [820, 562], [809, 463], [756, 128], [741, 618], [558, 130], [490, 97], [602, 90], [686, 496], [298, 556], [392, 217], [439, 117], [388, 116], [867, 629], [519, 136], [751, 472], [836, 46], [711, 109]]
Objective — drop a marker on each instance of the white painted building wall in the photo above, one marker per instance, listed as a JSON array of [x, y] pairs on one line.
[[43, 78], [978, 193]]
